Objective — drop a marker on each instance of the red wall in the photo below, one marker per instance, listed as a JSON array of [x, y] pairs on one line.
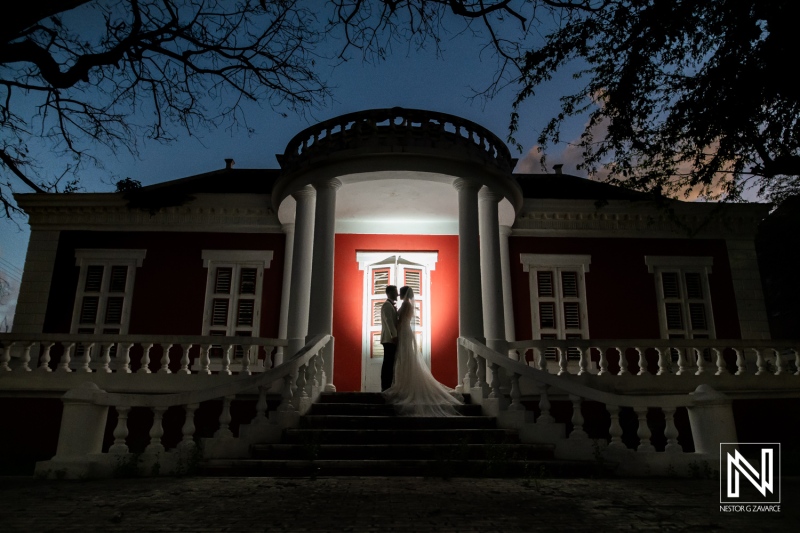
[[620, 292], [349, 287], [170, 286]]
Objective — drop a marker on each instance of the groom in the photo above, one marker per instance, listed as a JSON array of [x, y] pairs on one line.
[[388, 336]]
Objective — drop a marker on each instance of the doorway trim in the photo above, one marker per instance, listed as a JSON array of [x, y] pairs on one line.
[[365, 260]]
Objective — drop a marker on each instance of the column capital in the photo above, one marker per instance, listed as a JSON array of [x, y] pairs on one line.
[[467, 184], [327, 183], [288, 227], [487, 194], [305, 192], [505, 230]]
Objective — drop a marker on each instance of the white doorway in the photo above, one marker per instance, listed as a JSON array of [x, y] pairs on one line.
[[392, 268]]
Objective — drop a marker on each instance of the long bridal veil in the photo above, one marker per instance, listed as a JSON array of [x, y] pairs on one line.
[[415, 392]]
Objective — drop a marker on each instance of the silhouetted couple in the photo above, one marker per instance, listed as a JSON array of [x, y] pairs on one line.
[[406, 381]]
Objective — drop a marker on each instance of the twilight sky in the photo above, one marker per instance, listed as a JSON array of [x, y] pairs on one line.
[[409, 78]]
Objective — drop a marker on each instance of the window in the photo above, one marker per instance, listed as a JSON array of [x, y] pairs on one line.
[[105, 290], [684, 301], [233, 294], [558, 296], [233, 291]]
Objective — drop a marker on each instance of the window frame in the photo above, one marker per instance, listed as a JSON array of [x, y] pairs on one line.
[[236, 260], [682, 265], [557, 263], [107, 258]]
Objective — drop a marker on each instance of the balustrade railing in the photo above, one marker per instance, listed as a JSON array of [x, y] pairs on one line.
[[659, 357], [729, 357], [302, 377], [142, 354], [395, 127], [301, 374]]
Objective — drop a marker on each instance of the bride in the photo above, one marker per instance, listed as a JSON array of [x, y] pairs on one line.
[[415, 392]]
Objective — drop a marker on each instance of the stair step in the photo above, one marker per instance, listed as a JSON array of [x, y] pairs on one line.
[[375, 409], [403, 451], [427, 468], [396, 422], [352, 397], [400, 436]]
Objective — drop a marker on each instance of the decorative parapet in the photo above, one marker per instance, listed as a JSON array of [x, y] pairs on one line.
[[381, 131], [110, 212], [619, 218]]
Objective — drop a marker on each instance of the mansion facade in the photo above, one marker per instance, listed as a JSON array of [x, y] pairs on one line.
[[236, 271]]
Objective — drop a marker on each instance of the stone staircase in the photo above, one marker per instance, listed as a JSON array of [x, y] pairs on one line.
[[354, 433]]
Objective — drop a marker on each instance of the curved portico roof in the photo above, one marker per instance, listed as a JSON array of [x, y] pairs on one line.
[[397, 143]]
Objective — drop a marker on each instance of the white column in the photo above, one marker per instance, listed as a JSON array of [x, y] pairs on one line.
[[286, 288], [491, 272], [320, 319], [508, 304], [300, 290], [470, 313]]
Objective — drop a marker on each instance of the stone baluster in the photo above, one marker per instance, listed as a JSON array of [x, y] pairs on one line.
[[225, 419], [319, 362], [120, 431], [722, 368], [544, 408], [205, 359], [796, 362], [144, 368], [683, 362], [165, 359], [741, 364], [780, 362], [471, 376], [495, 392], [562, 361], [761, 363], [643, 432], [156, 431], [311, 374], [66, 358], [44, 362], [125, 358], [6, 357], [603, 364], [516, 394], [245, 370], [664, 363], [185, 359], [26, 356], [286, 394], [615, 429], [577, 418], [623, 360], [671, 432], [480, 380], [701, 361], [187, 442], [261, 406], [583, 361], [540, 359], [642, 361], [227, 350], [105, 359], [87, 358], [301, 382]]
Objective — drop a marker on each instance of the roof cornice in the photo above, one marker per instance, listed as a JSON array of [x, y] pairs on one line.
[[622, 218], [110, 212]]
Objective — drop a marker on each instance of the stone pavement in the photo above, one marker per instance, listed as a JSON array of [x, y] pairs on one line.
[[380, 504]]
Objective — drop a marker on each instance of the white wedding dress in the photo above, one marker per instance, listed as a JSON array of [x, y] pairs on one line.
[[415, 392]]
